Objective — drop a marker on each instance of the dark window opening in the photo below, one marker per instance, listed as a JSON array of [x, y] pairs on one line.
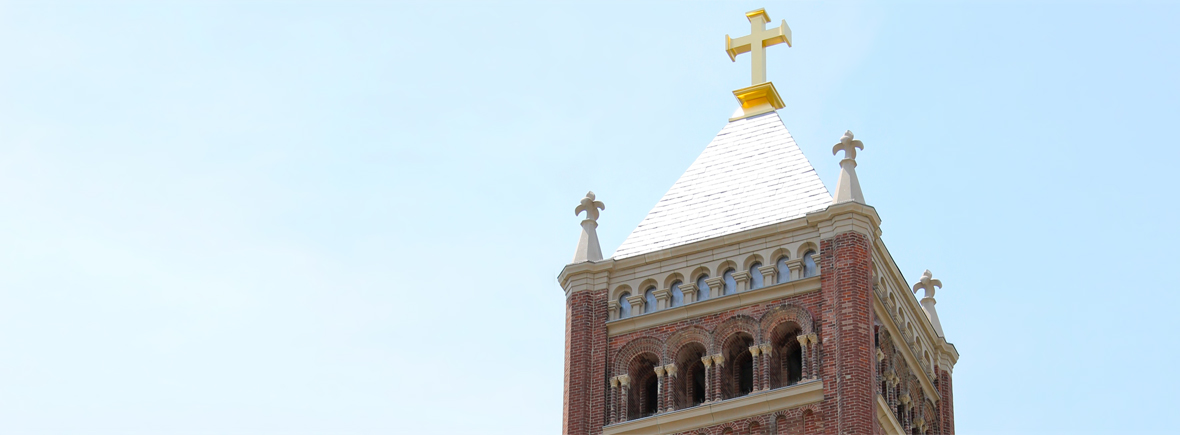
[[698, 385], [651, 396]]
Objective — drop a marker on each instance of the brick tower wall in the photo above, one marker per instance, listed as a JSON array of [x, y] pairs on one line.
[[847, 334], [585, 359]]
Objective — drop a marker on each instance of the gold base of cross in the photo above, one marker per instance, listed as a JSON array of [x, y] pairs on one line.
[[756, 100]]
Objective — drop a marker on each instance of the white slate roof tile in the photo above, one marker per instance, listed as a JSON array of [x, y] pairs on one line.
[[751, 175]]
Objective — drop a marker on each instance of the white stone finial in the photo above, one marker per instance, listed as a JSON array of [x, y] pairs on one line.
[[929, 284], [590, 206], [588, 248], [848, 187]]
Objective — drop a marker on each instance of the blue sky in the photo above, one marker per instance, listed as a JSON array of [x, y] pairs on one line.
[[314, 218]]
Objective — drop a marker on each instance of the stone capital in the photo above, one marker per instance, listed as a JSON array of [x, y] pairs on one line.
[[814, 339], [719, 359], [766, 348], [637, 302], [707, 360], [755, 350], [880, 355], [659, 371], [614, 382], [802, 340], [625, 380], [670, 369]]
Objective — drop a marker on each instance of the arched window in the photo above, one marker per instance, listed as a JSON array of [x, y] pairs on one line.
[[649, 300], [809, 267], [703, 288], [624, 305], [784, 271], [738, 371], [755, 276], [677, 294], [730, 283]]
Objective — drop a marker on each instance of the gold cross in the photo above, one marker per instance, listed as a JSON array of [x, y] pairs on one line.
[[756, 42]]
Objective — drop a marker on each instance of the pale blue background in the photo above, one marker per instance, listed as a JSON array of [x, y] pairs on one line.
[[307, 218]]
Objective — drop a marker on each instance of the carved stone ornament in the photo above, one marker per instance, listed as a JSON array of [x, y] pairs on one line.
[[848, 187]]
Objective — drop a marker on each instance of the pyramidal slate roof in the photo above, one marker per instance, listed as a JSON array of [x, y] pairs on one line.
[[751, 175]]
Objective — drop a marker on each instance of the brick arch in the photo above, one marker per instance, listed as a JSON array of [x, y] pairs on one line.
[[635, 348], [735, 324], [691, 334], [787, 313]]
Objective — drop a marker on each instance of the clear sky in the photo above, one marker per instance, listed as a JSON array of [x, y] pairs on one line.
[[314, 218]]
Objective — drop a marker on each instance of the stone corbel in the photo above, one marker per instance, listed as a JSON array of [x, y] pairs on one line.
[[768, 274], [716, 286], [663, 298], [742, 278], [637, 303], [690, 292]]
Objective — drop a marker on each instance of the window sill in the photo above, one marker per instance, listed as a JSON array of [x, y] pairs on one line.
[[720, 412]]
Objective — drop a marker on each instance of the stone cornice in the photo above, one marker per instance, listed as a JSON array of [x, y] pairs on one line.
[[713, 305], [893, 273], [751, 405], [888, 421], [906, 351], [584, 267]]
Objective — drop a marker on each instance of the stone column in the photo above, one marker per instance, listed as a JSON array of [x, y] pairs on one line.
[[814, 341], [742, 278], [796, 267], [716, 286], [637, 304], [659, 388], [718, 362], [804, 358], [755, 353], [669, 387], [625, 388], [663, 298], [708, 361], [766, 352], [690, 292], [614, 399], [768, 275]]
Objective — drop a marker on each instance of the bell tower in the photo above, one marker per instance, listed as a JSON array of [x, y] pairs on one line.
[[751, 300]]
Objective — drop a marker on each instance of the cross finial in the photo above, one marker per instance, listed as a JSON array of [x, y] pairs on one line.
[[848, 145], [928, 283], [590, 206], [756, 42]]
